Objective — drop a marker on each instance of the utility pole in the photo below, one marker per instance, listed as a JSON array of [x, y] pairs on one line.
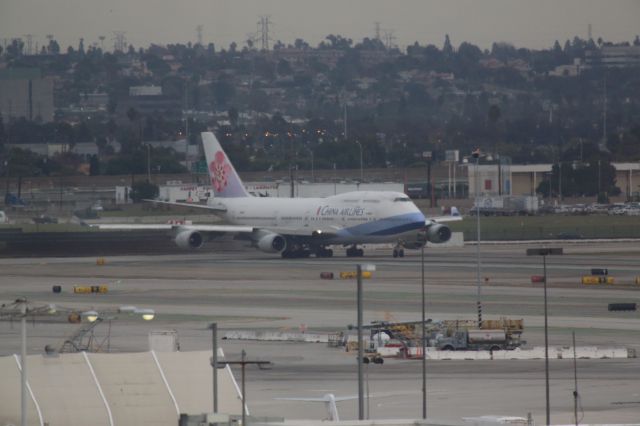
[[243, 363]]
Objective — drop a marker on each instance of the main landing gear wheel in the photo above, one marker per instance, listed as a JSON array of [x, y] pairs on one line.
[[295, 254], [398, 252], [354, 252], [324, 252]]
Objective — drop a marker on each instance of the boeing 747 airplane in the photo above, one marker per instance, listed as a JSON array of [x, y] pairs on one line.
[[299, 227]]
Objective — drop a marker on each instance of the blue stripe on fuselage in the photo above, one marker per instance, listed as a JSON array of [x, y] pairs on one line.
[[387, 226]]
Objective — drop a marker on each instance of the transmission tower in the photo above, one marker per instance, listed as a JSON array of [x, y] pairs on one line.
[[377, 30], [389, 39], [199, 34], [263, 31], [29, 38], [119, 41], [49, 38]]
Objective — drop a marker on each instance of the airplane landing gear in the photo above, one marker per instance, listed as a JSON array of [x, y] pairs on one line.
[[296, 252], [354, 251], [324, 252], [398, 251]]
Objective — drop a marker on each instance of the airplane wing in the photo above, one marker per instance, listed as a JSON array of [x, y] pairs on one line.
[[179, 227], [297, 232], [453, 217], [197, 206], [315, 232], [440, 219]]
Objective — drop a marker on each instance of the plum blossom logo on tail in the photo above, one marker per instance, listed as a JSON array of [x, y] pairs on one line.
[[219, 169]]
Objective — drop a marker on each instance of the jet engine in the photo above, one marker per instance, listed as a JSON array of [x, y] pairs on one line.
[[272, 243], [189, 239], [438, 233]]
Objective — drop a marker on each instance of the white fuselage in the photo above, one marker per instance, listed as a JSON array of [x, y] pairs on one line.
[[352, 218]]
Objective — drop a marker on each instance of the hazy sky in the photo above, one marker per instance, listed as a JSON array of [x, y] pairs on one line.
[[532, 23]]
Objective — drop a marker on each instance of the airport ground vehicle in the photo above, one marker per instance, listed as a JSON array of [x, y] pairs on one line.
[[506, 206], [479, 339], [492, 334]]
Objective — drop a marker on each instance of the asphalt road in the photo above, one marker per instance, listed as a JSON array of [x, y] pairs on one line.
[[255, 291]]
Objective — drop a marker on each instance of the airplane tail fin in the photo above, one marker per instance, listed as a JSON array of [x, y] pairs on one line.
[[224, 179]]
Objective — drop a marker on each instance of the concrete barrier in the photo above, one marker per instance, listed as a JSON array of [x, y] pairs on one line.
[[276, 336], [612, 353], [389, 352], [534, 353], [555, 352], [583, 352]]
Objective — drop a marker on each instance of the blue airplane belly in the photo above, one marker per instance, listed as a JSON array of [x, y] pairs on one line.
[[386, 227]]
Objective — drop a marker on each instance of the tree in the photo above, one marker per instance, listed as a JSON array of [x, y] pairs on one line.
[[283, 67], [301, 44], [233, 114], [447, 48], [223, 92], [3, 133]]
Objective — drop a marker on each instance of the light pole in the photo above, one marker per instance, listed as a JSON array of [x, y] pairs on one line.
[[428, 155], [313, 175], [361, 169], [22, 311], [366, 361], [359, 269], [424, 340], [23, 363], [214, 364], [148, 163], [544, 252], [75, 342], [476, 154]]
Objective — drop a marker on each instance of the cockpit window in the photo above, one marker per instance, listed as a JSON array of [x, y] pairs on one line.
[[402, 199]]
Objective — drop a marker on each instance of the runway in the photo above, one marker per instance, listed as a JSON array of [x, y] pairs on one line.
[[251, 290]]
